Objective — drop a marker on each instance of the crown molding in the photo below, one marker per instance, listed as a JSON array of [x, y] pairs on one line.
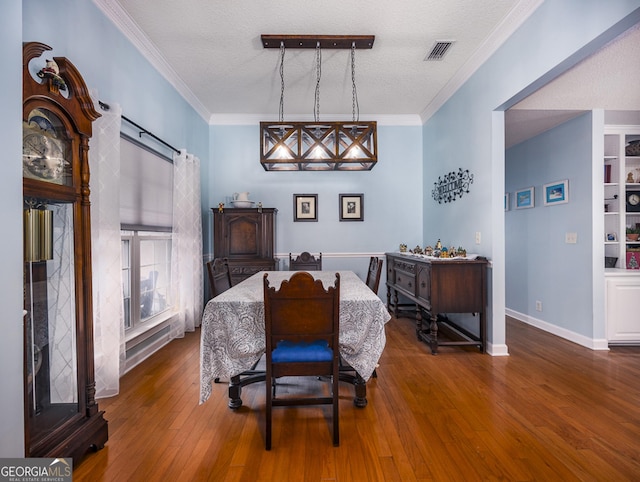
[[516, 17], [121, 19], [255, 119]]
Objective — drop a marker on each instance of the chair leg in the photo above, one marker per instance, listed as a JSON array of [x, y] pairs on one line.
[[336, 418], [269, 404]]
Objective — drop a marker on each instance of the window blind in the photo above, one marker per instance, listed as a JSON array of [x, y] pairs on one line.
[[146, 187]]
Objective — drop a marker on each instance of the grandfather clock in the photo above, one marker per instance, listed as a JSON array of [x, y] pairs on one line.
[[61, 415]]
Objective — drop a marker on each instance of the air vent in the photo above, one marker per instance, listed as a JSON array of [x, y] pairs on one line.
[[439, 49]]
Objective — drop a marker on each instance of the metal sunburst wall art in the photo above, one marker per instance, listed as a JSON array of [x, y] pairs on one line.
[[452, 186]]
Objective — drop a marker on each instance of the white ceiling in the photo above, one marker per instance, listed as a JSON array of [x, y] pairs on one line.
[[210, 51]]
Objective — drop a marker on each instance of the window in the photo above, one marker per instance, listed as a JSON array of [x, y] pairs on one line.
[[146, 212], [146, 276]]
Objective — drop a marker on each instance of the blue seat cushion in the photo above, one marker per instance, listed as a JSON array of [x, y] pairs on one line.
[[287, 351]]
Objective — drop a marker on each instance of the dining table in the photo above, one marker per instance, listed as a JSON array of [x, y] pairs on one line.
[[233, 337]]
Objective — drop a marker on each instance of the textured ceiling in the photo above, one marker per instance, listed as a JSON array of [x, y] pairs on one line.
[[211, 51]]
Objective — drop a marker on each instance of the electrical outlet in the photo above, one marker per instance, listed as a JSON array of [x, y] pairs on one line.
[[538, 305], [478, 237], [571, 238]]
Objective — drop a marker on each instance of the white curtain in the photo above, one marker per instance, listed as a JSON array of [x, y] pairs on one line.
[[108, 310], [186, 245]]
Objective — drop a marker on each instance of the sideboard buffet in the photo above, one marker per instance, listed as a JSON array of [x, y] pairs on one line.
[[438, 287]]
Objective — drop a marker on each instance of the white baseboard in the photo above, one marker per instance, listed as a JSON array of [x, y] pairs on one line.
[[497, 350], [591, 343]]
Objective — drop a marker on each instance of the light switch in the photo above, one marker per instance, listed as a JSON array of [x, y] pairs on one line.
[[571, 238]]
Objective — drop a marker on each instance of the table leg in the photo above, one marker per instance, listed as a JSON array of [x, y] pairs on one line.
[[395, 303], [360, 385], [483, 332], [431, 338], [433, 334], [235, 389], [349, 375], [237, 382]]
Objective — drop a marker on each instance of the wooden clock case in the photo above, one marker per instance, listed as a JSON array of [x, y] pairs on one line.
[[62, 418]]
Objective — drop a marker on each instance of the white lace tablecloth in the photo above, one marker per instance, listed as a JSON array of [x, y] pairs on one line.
[[232, 332]]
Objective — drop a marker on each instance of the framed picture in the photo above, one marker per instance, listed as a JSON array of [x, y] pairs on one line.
[[525, 198], [611, 237], [351, 207], [506, 201], [556, 192], [305, 207]]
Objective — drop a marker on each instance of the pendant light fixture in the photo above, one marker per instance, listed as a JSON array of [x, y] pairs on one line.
[[318, 146]]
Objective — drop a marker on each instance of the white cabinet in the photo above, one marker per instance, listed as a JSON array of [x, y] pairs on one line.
[[621, 179], [622, 305]]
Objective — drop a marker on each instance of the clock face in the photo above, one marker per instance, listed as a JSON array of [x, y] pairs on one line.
[[43, 152], [633, 201]]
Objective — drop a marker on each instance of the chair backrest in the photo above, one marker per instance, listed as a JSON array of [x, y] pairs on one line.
[[302, 311], [373, 275], [305, 261], [219, 276]]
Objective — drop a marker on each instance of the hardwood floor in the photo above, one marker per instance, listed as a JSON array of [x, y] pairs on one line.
[[552, 410]]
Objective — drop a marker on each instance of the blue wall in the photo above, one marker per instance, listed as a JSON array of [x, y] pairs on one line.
[[540, 266], [466, 133], [392, 195]]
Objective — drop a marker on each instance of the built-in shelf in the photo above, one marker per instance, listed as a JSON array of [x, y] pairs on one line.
[[622, 284]]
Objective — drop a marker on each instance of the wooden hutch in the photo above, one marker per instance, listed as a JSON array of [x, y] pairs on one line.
[[246, 237]]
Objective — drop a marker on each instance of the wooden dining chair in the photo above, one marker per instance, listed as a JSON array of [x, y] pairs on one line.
[[302, 332], [219, 276], [373, 275], [305, 261]]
